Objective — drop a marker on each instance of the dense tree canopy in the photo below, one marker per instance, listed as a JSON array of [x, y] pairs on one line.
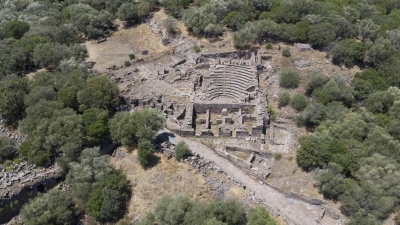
[[98, 188], [127, 129], [54, 207], [12, 94]]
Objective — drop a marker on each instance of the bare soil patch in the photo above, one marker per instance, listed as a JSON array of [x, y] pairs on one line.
[[116, 50]]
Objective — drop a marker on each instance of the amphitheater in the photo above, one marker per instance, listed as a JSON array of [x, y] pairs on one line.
[[231, 78], [226, 100]]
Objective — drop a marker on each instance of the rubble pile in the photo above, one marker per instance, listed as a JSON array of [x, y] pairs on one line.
[[15, 136], [21, 175]]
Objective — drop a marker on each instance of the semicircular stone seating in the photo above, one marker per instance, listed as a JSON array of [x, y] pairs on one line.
[[230, 80]]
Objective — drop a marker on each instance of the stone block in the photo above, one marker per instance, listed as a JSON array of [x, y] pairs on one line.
[[224, 112]]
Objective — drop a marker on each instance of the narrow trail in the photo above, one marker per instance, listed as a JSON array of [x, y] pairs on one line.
[[273, 198]]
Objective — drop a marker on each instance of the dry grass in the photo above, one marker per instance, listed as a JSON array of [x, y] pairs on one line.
[[237, 192], [116, 50], [168, 177]]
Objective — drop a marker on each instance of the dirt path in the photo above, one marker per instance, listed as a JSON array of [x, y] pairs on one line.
[[273, 198]]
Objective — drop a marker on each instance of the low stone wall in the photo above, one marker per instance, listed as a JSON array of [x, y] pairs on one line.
[[217, 108], [290, 194], [183, 132], [235, 161], [263, 154]]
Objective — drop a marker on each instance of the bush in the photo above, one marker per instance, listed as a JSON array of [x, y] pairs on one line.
[[286, 52], [289, 78], [348, 52], [7, 150], [299, 102], [16, 29], [132, 56], [259, 215], [127, 63], [196, 48], [145, 152], [283, 99], [170, 24], [271, 113], [181, 150], [278, 156], [268, 46]]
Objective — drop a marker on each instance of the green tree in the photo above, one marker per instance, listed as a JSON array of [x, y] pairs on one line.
[[321, 34], [40, 92], [172, 211], [54, 132], [289, 78], [380, 51], [299, 102], [145, 152], [12, 94], [127, 129], [170, 24], [313, 114], [314, 81], [348, 52], [236, 19], [283, 99], [181, 150], [50, 54], [331, 182], [230, 211], [286, 52], [7, 149], [262, 5], [361, 89], [379, 102], [16, 29], [67, 96], [92, 167], [367, 29], [98, 92], [362, 217], [334, 90], [394, 118], [54, 207], [259, 216]]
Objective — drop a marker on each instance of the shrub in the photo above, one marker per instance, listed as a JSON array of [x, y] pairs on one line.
[[145, 152], [299, 102], [348, 52], [283, 99], [196, 48], [181, 150], [286, 52], [268, 46], [127, 63], [289, 78], [278, 156], [271, 113], [170, 23], [132, 56]]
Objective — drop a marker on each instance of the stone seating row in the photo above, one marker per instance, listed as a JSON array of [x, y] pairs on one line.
[[220, 77], [230, 74]]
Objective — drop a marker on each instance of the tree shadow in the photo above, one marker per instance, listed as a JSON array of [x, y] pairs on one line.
[[154, 160], [163, 137]]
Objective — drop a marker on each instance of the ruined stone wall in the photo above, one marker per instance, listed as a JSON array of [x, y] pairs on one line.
[[184, 132], [217, 108], [236, 161], [258, 152]]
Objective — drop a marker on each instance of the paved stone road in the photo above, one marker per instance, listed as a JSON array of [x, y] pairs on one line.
[[272, 197]]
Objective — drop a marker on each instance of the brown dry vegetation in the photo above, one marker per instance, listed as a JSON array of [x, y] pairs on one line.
[[167, 177], [116, 50]]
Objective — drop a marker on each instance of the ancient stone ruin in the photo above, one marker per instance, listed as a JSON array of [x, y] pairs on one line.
[[226, 101]]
